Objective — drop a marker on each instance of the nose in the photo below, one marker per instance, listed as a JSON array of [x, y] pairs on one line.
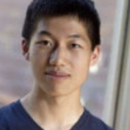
[[58, 56]]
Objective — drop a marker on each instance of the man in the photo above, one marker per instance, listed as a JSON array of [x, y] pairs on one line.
[[61, 40]]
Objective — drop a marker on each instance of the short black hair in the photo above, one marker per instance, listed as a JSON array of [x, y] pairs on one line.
[[83, 9]]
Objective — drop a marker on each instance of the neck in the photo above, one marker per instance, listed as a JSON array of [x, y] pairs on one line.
[[54, 110]]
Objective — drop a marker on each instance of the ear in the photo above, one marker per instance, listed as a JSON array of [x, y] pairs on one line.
[[25, 48], [95, 55]]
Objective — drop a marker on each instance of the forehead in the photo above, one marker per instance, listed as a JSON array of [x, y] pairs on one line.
[[61, 28], [64, 24]]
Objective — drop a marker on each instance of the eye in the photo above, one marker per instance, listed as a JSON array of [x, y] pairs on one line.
[[75, 45], [45, 43]]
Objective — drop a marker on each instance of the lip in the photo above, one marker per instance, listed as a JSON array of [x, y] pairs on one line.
[[56, 75]]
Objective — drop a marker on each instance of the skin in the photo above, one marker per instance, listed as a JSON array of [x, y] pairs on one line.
[[60, 56]]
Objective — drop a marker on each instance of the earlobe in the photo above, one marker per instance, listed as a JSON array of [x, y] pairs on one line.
[[25, 48], [95, 55]]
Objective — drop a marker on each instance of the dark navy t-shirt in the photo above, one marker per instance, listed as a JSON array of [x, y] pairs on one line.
[[14, 117]]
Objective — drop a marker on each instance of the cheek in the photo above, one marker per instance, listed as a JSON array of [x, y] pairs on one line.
[[38, 62], [81, 65], [80, 73], [38, 65], [81, 61], [38, 56]]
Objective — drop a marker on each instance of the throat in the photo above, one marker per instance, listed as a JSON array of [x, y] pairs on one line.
[[53, 114]]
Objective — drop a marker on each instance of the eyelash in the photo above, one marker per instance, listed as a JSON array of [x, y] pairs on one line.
[[45, 42], [75, 45]]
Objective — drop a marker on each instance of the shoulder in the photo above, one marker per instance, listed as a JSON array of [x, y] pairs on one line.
[[6, 113], [3, 118], [96, 123]]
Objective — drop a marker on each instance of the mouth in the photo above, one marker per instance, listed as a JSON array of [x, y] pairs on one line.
[[56, 75]]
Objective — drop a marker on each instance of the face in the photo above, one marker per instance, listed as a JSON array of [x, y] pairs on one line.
[[60, 55]]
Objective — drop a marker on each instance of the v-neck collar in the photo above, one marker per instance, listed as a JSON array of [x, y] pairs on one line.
[[26, 117]]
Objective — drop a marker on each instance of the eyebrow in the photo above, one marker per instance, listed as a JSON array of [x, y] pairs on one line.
[[77, 36], [44, 33], [74, 36]]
